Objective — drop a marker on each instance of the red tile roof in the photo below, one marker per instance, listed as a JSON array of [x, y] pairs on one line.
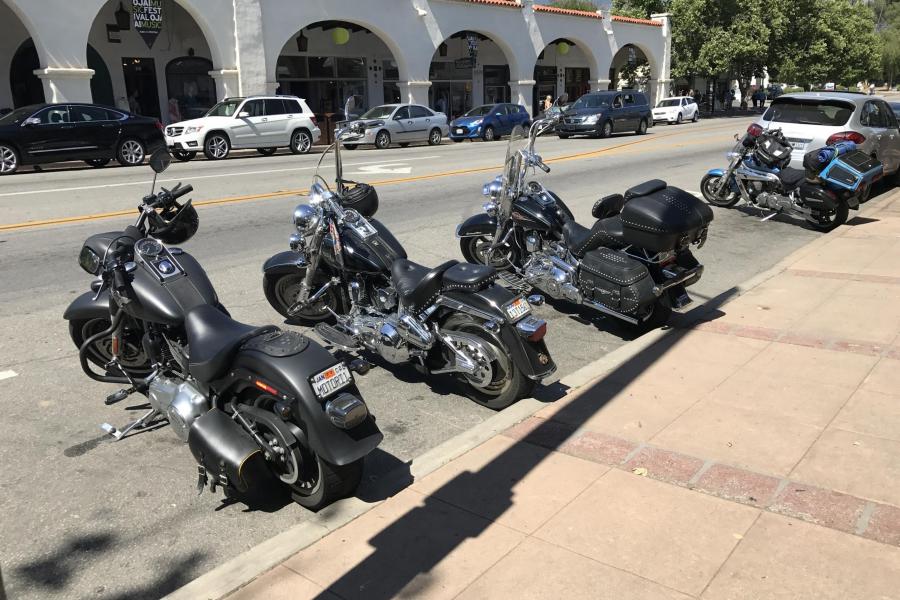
[[637, 21], [505, 3], [566, 11]]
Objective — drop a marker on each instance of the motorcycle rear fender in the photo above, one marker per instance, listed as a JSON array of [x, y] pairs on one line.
[[819, 198], [532, 357], [477, 225], [290, 375], [284, 262], [85, 307]]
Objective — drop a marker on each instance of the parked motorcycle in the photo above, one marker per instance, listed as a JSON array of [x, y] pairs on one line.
[[253, 404], [634, 263], [347, 275], [834, 179]]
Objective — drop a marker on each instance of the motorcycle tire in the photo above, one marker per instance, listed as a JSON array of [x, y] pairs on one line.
[[334, 482], [280, 289], [707, 190], [662, 312], [136, 361], [502, 392], [833, 221], [184, 156], [468, 246]]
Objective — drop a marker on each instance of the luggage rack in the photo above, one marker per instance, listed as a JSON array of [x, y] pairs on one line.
[[515, 281]]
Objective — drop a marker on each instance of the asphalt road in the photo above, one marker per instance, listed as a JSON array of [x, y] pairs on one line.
[[86, 517]]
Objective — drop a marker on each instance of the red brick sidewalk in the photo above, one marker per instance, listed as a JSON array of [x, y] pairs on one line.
[[756, 455]]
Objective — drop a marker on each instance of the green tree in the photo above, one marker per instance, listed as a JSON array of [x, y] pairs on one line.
[[639, 9], [887, 26], [585, 5]]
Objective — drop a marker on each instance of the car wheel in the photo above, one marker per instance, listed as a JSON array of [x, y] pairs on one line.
[[184, 155], [563, 136], [301, 142], [9, 160], [488, 134], [696, 116], [455, 141], [404, 144], [606, 130], [435, 137], [679, 119], [131, 153], [266, 151], [383, 140], [350, 146], [98, 162], [216, 146], [642, 128]]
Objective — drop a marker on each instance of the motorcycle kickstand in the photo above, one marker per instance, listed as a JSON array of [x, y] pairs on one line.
[[771, 215], [146, 418]]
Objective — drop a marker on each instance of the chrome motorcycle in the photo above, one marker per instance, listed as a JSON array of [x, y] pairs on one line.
[[350, 278], [634, 263], [253, 404]]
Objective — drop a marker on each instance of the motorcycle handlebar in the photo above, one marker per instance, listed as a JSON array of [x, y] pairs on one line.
[[181, 191]]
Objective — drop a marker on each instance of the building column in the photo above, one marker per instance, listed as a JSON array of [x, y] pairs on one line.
[[522, 92], [251, 51], [414, 92], [227, 82], [664, 76], [662, 90], [66, 84], [600, 85]]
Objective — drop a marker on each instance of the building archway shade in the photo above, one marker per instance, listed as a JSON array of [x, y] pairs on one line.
[[191, 91], [25, 85]]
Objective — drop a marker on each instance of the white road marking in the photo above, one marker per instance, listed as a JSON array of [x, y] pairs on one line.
[[384, 168], [7, 375], [194, 178]]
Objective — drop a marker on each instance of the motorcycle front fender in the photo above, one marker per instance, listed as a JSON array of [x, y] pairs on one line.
[[284, 262], [477, 225], [716, 172], [85, 307]]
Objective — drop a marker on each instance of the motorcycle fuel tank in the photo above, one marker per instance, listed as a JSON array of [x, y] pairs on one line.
[[372, 251], [537, 212]]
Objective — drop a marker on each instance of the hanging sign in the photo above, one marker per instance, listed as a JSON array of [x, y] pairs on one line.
[[146, 16]]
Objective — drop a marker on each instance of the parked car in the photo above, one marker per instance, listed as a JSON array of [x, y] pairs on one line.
[[402, 124], [676, 109], [895, 106], [265, 123], [601, 114], [811, 120], [46, 133], [773, 91], [489, 122]]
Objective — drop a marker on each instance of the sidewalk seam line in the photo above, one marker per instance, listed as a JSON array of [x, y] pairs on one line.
[[707, 465], [863, 523], [733, 550]]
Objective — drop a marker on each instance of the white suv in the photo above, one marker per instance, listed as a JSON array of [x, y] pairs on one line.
[[262, 122], [676, 109]]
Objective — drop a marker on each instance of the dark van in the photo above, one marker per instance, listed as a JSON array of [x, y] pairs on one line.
[[601, 114]]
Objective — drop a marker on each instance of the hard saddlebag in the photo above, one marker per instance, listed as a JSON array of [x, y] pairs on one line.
[[665, 219], [617, 281]]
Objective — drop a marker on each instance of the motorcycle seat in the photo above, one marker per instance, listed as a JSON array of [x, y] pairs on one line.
[[214, 338], [467, 277], [791, 178], [417, 285], [607, 233], [645, 189]]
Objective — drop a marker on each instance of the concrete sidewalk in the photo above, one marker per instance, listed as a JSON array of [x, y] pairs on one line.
[[753, 455]]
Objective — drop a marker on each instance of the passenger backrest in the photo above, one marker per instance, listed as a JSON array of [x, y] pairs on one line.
[[608, 206]]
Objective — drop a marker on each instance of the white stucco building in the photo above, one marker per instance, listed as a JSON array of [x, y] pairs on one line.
[[450, 54]]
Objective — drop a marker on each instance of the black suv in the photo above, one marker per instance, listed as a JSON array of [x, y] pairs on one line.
[[601, 114], [46, 133]]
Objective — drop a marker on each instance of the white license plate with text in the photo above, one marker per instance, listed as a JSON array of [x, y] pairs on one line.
[[459, 131], [330, 380], [517, 309]]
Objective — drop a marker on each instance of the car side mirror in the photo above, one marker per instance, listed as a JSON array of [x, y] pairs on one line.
[[31, 122], [243, 114]]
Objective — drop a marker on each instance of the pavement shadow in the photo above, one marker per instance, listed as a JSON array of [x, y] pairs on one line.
[[175, 574], [53, 572], [406, 551]]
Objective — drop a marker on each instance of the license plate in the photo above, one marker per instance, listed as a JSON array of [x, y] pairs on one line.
[[517, 309], [459, 131], [330, 380], [798, 145]]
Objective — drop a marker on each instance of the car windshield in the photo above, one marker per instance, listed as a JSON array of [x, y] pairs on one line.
[[591, 102], [225, 108], [480, 111], [379, 112], [810, 111], [669, 102], [17, 115]]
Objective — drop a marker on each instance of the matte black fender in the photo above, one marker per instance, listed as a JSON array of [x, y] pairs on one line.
[[532, 357], [284, 262], [476, 225], [818, 198], [85, 307], [290, 375]]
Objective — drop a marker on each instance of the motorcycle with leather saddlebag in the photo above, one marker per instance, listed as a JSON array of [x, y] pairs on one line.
[[833, 180], [350, 278], [634, 263], [255, 405]]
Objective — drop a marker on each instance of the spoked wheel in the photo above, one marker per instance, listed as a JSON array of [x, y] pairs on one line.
[[489, 135], [642, 127], [9, 160], [435, 137], [184, 155], [725, 198], [301, 142], [383, 140], [130, 153], [312, 482], [475, 250], [282, 292], [832, 220], [132, 357], [497, 381]]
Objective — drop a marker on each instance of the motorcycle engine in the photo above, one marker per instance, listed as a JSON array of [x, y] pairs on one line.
[[180, 401], [552, 275], [382, 335], [774, 201]]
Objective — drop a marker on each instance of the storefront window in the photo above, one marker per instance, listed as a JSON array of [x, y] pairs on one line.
[[577, 82], [191, 91], [324, 82]]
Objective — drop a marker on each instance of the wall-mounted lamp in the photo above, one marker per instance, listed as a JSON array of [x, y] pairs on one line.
[[123, 18], [302, 43]]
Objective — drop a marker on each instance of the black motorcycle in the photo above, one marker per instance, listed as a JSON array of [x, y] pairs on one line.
[[347, 275], [254, 404], [634, 263]]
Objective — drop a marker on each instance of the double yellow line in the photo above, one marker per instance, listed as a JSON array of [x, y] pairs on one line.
[[283, 193]]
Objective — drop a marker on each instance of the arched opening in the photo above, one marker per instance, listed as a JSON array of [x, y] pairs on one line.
[[139, 66], [468, 69], [631, 69], [562, 67], [328, 61], [25, 86]]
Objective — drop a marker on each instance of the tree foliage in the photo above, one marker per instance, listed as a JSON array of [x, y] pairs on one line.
[[887, 26], [585, 5], [639, 9]]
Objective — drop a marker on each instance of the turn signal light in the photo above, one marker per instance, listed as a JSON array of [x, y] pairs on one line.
[[846, 136], [266, 387]]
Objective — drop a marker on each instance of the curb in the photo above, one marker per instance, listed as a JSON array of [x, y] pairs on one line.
[[242, 569]]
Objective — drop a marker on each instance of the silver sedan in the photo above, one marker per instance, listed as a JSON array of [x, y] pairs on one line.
[[401, 124]]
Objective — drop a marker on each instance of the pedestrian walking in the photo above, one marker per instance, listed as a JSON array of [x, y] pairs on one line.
[[548, 102]]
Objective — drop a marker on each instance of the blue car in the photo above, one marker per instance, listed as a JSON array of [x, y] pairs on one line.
[[489, 122]]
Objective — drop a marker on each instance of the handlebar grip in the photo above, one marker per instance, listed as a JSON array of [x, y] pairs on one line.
[[544, 167], [120, 279], [179, 192]]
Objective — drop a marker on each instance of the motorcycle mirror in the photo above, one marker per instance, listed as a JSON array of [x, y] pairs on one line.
[[160, 160], [562, 99]]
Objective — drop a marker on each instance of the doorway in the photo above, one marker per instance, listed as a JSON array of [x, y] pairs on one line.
[[140, 86], [26, 87]]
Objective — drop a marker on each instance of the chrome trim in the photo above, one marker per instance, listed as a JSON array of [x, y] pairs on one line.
[[608, 311], [465, 308], [530, 325], [677, 279], [63, 149], [748, 174]]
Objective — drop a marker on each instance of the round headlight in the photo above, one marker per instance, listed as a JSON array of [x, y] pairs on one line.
[[306, 218]]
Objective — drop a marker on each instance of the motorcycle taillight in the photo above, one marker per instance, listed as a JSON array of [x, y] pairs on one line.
[[755, 130]]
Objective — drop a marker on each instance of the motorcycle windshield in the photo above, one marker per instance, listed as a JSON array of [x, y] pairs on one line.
[[513, 172]]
